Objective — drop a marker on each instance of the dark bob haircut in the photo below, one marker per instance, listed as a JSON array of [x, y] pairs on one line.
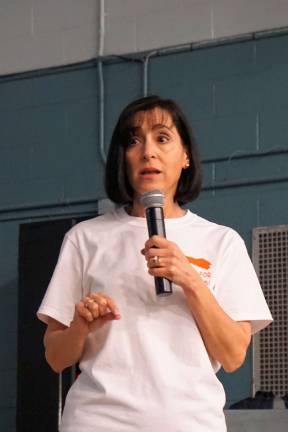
[[117, 184]]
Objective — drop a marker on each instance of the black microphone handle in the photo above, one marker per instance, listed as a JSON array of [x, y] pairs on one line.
[[156, 226]]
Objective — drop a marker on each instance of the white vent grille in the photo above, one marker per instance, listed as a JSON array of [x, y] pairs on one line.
[[270, 353]]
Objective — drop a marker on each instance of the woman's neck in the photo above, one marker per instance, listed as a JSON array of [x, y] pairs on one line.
[[171, 210]]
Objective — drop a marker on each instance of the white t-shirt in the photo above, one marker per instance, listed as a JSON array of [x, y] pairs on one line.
[[149, 371]]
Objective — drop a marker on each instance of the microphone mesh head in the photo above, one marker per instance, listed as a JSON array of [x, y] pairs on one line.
[[153, 198]]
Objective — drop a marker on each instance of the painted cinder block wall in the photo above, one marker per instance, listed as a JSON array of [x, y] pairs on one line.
[[235, 96], [50, 166]]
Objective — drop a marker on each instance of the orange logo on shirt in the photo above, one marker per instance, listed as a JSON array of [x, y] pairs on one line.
[[199, 262]]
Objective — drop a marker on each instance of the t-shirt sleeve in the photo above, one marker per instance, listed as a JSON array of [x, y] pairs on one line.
[[65, 287], [237, 287]]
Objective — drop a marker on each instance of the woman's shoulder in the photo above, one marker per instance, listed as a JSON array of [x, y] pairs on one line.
[[204, 223], [101, 223], [218, 233]]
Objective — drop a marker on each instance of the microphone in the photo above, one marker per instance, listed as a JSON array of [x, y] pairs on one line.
[[153, 202]]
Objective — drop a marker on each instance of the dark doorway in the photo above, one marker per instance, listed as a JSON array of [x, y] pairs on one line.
[[40, 391]]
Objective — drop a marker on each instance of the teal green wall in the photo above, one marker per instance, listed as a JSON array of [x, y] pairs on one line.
[[236, 96]]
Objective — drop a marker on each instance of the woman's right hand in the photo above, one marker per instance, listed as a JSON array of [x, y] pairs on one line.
[[64, 345], [93, 311]]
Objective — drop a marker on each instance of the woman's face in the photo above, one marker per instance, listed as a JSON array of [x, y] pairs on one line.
[[155, 155]]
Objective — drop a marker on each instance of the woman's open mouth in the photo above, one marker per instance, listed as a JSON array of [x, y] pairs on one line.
[[149, 172]]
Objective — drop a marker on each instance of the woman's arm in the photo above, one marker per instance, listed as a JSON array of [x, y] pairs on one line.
[[226, 340], [64, 345]]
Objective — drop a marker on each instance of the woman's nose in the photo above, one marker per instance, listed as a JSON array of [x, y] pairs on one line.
[[149, 149]]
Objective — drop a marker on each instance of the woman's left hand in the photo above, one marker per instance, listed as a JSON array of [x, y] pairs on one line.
[[171, 263]]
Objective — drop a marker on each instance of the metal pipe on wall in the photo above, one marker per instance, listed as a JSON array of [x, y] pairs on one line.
[[229, 40], [244, 183], [209, 187], [146, 71], [101, 79]]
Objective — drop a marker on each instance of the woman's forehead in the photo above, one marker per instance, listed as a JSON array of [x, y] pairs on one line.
[[151, 118]]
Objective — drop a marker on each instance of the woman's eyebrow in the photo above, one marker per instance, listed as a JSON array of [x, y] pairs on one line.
[[161, 126], [138, 129]]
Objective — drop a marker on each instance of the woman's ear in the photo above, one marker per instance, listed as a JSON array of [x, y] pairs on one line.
[[187, 162]]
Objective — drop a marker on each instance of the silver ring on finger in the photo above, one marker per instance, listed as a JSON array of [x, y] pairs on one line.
[[88, 302]]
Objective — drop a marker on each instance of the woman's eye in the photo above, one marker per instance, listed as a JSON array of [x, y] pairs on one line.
[[163, 138], [133, 141]]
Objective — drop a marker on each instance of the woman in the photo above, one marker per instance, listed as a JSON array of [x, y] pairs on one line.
[[148, 363]]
